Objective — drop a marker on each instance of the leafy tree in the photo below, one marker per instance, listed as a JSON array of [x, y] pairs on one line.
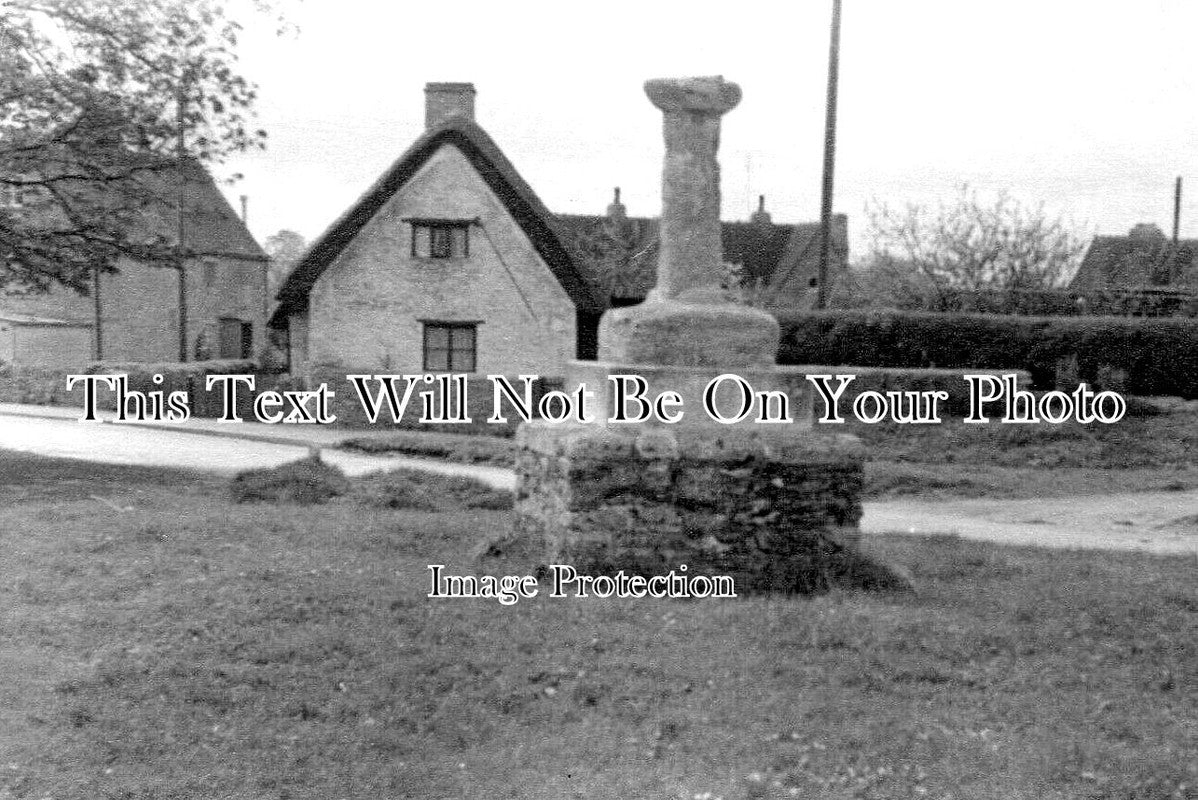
[[614, 250], [284, 248], [930, 257], [100, 102]]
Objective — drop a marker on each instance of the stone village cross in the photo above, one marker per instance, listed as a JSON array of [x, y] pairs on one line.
[[774, 506]]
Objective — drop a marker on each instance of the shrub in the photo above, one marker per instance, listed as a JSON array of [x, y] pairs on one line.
[[306, 482], [1152, 356], [423, 491]]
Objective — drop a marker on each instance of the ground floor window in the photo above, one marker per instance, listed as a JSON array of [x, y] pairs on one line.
[[450, 346], [236, 338]]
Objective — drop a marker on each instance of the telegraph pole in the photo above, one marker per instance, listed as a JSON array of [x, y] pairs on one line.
[[1177, 210], [180, 219], [825, 217], [98, 309]]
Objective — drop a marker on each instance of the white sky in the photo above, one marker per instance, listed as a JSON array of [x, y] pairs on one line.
[[1088, 107]]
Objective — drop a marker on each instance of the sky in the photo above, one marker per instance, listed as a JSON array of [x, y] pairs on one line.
[[1088, 108]]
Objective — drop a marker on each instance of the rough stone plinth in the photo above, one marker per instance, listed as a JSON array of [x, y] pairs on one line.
[[776, 513]]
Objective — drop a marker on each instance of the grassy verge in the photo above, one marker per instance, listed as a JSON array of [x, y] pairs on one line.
[[1164, 441], [188, 646], [1146, 453]]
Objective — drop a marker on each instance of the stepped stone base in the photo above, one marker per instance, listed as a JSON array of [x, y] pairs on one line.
[[776, 513], [669, 332]]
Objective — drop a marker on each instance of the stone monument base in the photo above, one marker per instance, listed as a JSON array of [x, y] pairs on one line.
[[775, 514], [665, 331]]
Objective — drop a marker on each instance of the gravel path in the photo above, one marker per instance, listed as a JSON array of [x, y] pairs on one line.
[[1159, 522]]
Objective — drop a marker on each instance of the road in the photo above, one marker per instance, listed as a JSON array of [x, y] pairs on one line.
[[204, 447], [1164, 522]]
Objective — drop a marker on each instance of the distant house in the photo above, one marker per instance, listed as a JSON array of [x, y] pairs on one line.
[[1143, 260], [133, 314], [777, 265], [450, 262]]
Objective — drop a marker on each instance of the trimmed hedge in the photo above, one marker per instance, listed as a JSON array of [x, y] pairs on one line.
[[892, 379], [1157, 356], [43, 386]]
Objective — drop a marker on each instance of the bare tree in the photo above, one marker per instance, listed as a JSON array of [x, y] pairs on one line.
[[931, 256]]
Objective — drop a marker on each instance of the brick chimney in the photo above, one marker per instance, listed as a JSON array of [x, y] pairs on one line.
[[446, 101], [616, 212], [761, 216]]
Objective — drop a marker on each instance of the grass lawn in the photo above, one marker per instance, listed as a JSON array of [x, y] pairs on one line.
[[952, 459], [163, 642]]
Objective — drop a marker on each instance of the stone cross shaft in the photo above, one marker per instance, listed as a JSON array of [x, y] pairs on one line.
[[690, 264]]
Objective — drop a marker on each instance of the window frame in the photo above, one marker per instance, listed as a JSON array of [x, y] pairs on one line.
[[449, 326], [12, 196], [209, 268], [440, 249]]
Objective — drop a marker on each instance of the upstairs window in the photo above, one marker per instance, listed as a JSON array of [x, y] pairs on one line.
[[11, 196], [450, 346], [18, 196], [440, 238]]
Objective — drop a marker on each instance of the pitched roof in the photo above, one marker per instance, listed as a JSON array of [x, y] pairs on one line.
[[146, 201], [501, 177], [212, 226], [1138, 260], [620, 255], [799, 262]]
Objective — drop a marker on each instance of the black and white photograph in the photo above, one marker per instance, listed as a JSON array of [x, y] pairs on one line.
[[663, 401]]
